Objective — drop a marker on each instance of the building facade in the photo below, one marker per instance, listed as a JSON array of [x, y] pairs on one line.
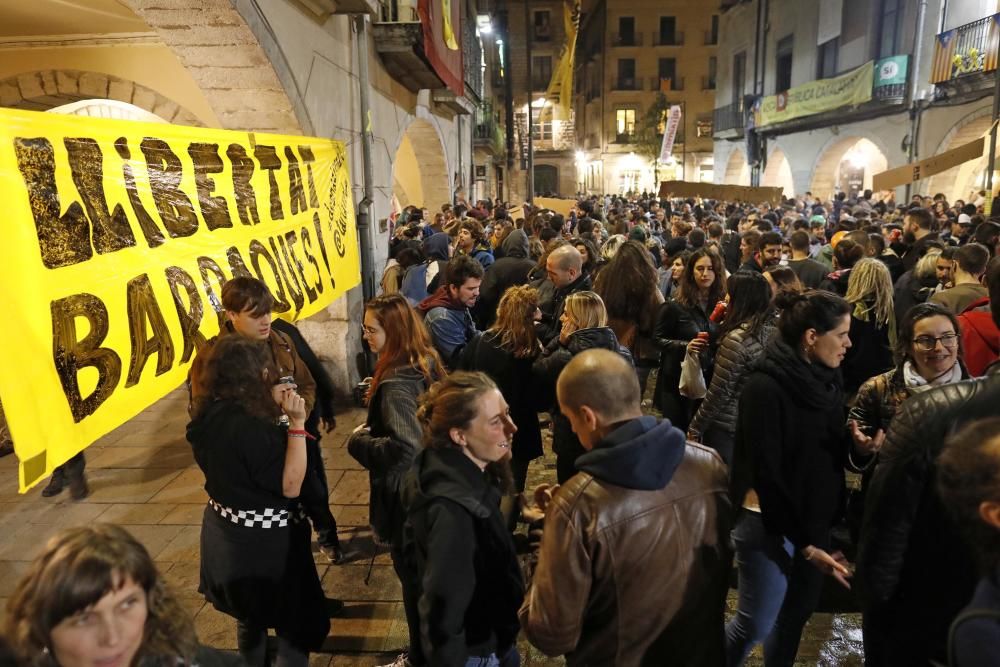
[[827, 89], [284, 66], [628, 54]]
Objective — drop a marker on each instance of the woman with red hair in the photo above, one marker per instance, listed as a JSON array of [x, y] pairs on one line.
[[387, 443]]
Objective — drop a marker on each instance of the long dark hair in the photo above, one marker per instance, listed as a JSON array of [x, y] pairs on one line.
[[749, 303], [241, 370], [628, 284], [593, 254], [688, 293]]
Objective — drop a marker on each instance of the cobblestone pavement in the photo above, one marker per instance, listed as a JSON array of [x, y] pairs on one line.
[[143, 476]]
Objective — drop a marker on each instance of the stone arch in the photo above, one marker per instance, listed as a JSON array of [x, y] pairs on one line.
[[778, 172], [225, 54], [956, 182], [420, 169], [737, 169], [46, 89], [862, 154]]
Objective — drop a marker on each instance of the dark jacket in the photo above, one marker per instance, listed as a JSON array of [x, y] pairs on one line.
[[918, 250], [470, 579], [514, 379], [810, 272], [910, 291], [676, 325], [547, 368], [792, 445], [511, 269], [387, 450], [975, 634], [634, 560], [913, 564], [449, 323], [323, 408], [894, 264], [752, 266], [552, 310], [870, 353], [836, 281], [421, 280], [738, 352]]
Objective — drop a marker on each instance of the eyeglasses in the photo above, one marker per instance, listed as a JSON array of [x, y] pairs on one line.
[[928, 343], [369, 330]]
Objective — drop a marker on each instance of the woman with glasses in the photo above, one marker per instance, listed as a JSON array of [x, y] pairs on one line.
[[387, 443], [680, 321], [928, 354]]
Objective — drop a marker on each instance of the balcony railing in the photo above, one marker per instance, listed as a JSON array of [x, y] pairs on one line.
[[676, 83], [967, 49], [729, 117], [625, 138], [487, 131], [627, 39], [708, 83], [630, 83], [664, 39]]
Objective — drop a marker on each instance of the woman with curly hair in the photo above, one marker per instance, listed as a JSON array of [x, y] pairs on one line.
[[471, 584], [631, 294], [388, 441], [256, 559], [94, 596], [680, 320], [505, 353]]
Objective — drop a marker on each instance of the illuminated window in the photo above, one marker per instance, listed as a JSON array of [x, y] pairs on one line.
[[625, 123]]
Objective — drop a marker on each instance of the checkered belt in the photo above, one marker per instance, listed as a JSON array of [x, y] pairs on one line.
[[267, 518]]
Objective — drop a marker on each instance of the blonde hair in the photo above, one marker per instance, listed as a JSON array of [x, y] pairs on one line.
[[927, 265], [869, 290], [515, 323], [587, 310]]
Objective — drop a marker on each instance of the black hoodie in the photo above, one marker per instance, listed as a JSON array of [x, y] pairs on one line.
[[640, 454], [468, 570]]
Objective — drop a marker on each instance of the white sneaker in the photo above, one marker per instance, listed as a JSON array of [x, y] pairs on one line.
[[402, 660]]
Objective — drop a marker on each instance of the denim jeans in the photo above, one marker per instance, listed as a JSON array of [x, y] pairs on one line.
[[778, 591], [512, 659]]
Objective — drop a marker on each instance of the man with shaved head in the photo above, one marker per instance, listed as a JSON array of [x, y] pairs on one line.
[[634, 560], [564, 268]]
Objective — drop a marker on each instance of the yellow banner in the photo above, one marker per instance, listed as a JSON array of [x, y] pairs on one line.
[[849, 89], [117, 237], [561, 84]]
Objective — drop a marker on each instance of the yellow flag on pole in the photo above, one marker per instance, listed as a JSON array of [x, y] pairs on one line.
[[561, 85], [449, 32]]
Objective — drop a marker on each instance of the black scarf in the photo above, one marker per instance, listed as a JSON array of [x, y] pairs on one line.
[[811, 385]]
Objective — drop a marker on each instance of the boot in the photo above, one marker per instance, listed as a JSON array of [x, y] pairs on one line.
[[56, 484], [78, 487]]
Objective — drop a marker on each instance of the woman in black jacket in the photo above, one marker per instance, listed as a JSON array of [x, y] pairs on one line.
[[788, 476], [703, 284], [471, 584], [387, 443], [584, 327], [256, 562], [505, 353], [749, 325], [873, 324]]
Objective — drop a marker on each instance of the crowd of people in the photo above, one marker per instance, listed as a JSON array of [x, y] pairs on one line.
[[824, 412]]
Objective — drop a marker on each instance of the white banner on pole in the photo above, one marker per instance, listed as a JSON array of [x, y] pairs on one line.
[[673, 122]]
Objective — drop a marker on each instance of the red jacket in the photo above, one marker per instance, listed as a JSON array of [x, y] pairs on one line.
[[980, 336]]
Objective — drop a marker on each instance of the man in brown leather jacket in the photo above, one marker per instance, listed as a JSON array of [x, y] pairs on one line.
[[634, 562]]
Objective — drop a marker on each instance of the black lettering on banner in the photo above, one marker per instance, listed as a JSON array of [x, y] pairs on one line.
[[71, 355], [307, 249], [287, 274], [246, 200], [142, 306], [257, 250], [322, 248], [236, 263], [340, 194], [110, 232], [269, 161], [165, 172], [309, 159], [63, 240], [296, 195], [154, 237], [289, 247], [206, 266], [215, 210], [189, 315]]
